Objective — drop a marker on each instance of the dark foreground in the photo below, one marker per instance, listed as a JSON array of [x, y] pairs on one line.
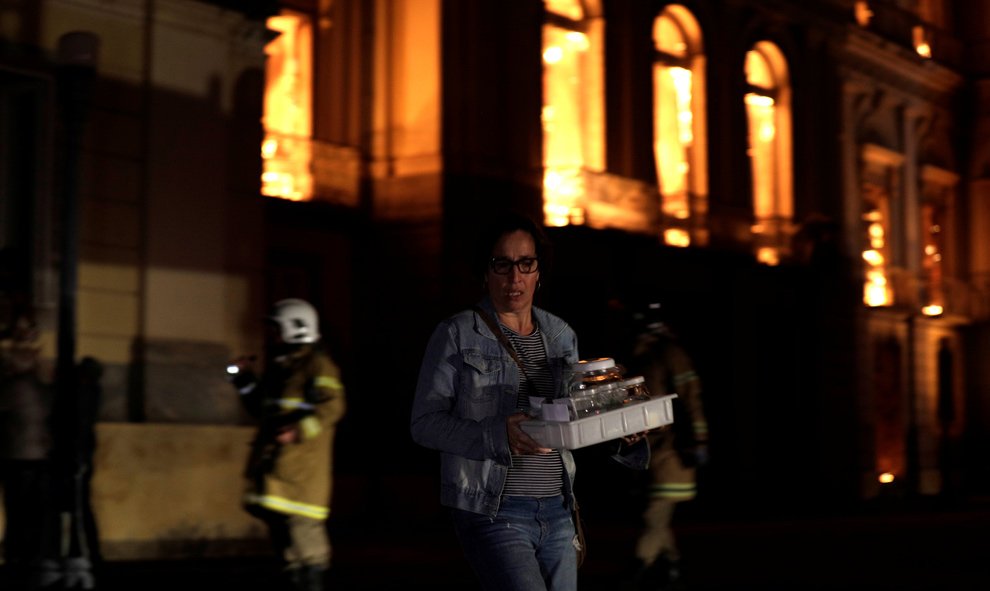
[[903, 548]]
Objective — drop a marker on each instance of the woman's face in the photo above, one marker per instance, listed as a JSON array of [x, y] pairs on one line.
[[513, 291]]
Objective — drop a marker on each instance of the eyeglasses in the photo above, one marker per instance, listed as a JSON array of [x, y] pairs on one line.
[[503, 266]]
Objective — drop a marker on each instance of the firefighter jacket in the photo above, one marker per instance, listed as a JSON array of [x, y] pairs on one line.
[[667, 369], [301, 391]]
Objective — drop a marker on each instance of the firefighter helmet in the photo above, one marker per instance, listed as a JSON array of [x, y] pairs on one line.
[[297, 321], [648, 314]]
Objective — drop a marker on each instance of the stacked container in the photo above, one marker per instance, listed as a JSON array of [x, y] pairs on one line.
[[600, 385], [601, 404]]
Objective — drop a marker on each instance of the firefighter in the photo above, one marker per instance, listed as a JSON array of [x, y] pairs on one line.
[[676, 451], [26, 446], [298, 399]]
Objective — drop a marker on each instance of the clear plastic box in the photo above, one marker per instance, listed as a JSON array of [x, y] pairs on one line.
[[613, 424]]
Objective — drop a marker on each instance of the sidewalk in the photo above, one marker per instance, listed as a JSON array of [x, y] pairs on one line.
[[903, 549], [934, 549]]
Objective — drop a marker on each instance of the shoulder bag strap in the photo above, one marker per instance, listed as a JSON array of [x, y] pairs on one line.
[[497, 331]]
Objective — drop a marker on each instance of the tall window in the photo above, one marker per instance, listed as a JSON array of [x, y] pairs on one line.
[[880, 182], [286, 150], [937, 196], [573, 119], [768, 106], [679, 126], [876, 256]]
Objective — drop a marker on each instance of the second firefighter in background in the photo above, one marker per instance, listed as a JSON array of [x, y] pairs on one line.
[[298, 400], [676, 451]]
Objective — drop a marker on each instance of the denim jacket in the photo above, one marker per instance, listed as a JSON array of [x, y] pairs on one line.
[[468, 385]]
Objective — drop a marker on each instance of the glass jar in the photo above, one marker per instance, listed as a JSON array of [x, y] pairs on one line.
[[593, 372], [634, 390], [581, 405], [594, 400]]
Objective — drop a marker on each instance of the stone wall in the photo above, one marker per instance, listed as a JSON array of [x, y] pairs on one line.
[[169, 491]]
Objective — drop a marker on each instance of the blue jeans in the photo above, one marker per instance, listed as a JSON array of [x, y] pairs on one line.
[[527, 546]]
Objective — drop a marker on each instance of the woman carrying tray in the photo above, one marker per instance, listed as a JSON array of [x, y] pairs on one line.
[[510, 498]]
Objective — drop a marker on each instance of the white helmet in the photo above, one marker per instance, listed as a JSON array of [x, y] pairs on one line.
[[297, 321]]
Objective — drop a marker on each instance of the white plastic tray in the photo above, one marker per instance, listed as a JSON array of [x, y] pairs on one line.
[[613, 424]]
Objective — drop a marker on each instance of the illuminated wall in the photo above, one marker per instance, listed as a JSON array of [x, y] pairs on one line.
[[164, 281]]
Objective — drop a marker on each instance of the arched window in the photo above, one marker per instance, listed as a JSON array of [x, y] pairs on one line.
[[573, 116], [679, 126], [768, 106]]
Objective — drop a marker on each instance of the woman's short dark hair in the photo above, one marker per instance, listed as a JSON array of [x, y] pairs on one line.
[[508, 223]]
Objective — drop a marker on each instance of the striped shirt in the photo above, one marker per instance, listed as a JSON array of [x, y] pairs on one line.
[[533, 475]]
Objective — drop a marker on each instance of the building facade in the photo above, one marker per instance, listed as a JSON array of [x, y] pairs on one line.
[[802, 183]]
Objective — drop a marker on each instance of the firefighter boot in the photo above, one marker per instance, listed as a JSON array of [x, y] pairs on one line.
[[315, 578], [664, 574], [293, 579]]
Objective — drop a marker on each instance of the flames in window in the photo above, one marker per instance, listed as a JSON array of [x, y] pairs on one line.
[[678, 93], [767, 108], [564, 125], [286, 149], [932, 221], [876, 287], [862, 13], [921, 42], [674, 133], [762, 130], [876, 291]]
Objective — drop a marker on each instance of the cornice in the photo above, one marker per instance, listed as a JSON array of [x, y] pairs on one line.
[[861, 55], [125, 9]]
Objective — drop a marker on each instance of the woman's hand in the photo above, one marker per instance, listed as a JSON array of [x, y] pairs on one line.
[[635, 437], [288, 434], [519, 441]]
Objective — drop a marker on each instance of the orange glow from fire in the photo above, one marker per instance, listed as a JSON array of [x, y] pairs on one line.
[[934, 214], [563, 156], [876, 290], [286, 150], [674, 133], [571, 117], [679, 126], [768, 111], [921, 44], [573, 110], [676, 237], [863, 13]]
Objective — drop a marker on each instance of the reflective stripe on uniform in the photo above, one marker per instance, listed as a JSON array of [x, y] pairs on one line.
[[292, 404], [282, 505], [675, 490], [310, 427], [685, 377], [700, 428], [327, 382]]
